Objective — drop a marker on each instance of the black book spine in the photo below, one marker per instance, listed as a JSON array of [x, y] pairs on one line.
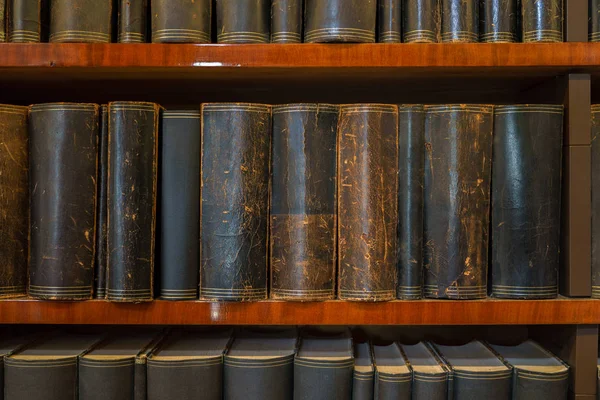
[[323, 379], [106, 379], [243, 21], [542, 20], [102, 215], [303, 202], [14, 198], [482, 385], [37, 379], [351, 21], [390, 21], [132, 21], [498, 21], [132, 184], [186, 379], [286, 21], [2, 21], [80, 21], [596, 201], [526, 191], [421, 21], [140, 379], [368, 202], [63, 167], [181, 21], [180, 205], [247, 378], [457, 199], [24, 21], [393, 387], [234, 201], [540, 386], [460, 21], [594, 20], [429, 386], [362, 385]]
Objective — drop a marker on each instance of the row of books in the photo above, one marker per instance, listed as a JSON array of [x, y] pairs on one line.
[[366, 202], [272, 365], [283, 21]]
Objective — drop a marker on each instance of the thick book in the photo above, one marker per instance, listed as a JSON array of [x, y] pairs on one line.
[[2, 21], [181, 21], [25, 20], [429, 374], [389, 21], [84, 21], [14, 198], [595, 201], [101, 211], [537, 374], [364, 372], [542, 20], [526, 192], [243, 21], [63, 174], [286, 21], [303, 202], [460, 21], [594, 22], [393, 375], [132, 21], [132, 195], [598, 382], [368, 202], [180, 205], [499, 21], [458, 153], [421, 21], [10, 344], [234, 201], [331, 21]]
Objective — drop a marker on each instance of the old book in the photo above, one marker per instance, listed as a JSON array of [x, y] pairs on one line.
[[14, 198], [101, 211], [234, 201], [460, 21], [368, 202], [537, 374], [63, 171], [542, 20], [10, 344], [180, 205], [132, 21], [457, 199], [393, 376], [594, 22], [364, 372], [411, 159], [80, 21], [286, 21], [330, 21], [132, 184], [243, 21], [526, 191], [2, 21], [389, 21], [25, 19], [421, 21], [596, 201], [598, 382], [498, 21], [429, 374], [303, 202], [181, 21]]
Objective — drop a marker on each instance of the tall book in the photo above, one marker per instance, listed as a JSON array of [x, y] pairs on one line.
[[598, 382], [393, 376], [429, 374], [181, 21], [498, 21], [180, 205], [236, 139], [457, 199], [421, 21], [63, 170], [132, 184], [368, 202], [132, 21], [25, 19], [14, 197], [9, 345], [595, 201], [460, 21], [390, 21], [364, 372], [303, 202], [2, 21], [286, 21], [526, 191], [542, 20], [101, 211], [330, 21], [594, 21], [243, 21], [87, 21]]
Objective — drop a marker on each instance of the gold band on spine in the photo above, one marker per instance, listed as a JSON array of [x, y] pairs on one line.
[[543, 35], [346, 34], [80, 36], [286, 37], [420, 36], [498, 37], [305, 107], [23, 36], [476, 108], [131, 37], [362, 108], [233, 294], [390, 37], [228, 107], [188, 35], [460, 36], [243, 37]]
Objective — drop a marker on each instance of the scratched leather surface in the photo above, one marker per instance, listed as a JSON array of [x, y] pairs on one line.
[[542, 20], [329, 21], [102, 214], [421, 21], [80, 21], [132, 21], [181, 21], [286, 21], [247, 21], [460, 21], [595, 201], [499, 21], [389, 27], [25, 20]]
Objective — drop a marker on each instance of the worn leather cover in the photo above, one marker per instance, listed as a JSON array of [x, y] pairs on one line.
[[498, 21], [236, 141], [132, 184], [330, 21], [364, 372], [286, 21], [246, 21], [421, 21], [180, 205], [101, 211], [10, 344], [14, 198], [542, 20], [63, 162], [24, 21], [596, 201], [303, 202], [457, 200], [80, 21], [132, 21], [429, 373], [460, 21], [390, 21], [526, 191], [368, 202], [181, 21], [2, 21], [594, 22], [393, 376]]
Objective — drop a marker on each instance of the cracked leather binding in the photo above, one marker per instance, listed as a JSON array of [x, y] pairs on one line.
[[594, 20], [368, 202], [24, 21], [526, 191], [132, 21], [180, 205], [330, 21], [181, 21], [2, 21], [234, 201], [429, 373], [421, 21], [498, 21], [596, 201], [286, 21], [14, 198], [457, 200], [460, 21], [303, 202], [132, 184], [542, 20], [393, 375], [101, 212], [243, 21], [63, 168], [364, 372], [390, 21], [80, 21]]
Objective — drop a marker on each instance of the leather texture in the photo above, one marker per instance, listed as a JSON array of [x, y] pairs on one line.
[[542, 20], [498, 21], [427, 384], [80, 21], [331, 21], [101, 211], [2, 21], [247, 21], [106, 379], [286, 21], [132, 21], [390, 21], [460, 21], [24, 21], [364, 372], [594, 21], [596, 201], [421, 21], [181, 21], [393, 376]]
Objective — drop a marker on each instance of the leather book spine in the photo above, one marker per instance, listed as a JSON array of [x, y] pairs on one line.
[[498, 21], [14, 198], [286, 21], [596, 201], [106, 379], [411, 159], [542, 20], [40, 379], [180, 205], [101, 211], [594, 20], [526, 192], [331, 21], [529, 385], [2, 21], [390, 21], [185, 379], [363, 385], [80, 21], [132, 21], [368, 202], [323, 379], [430, 386], [303, 202], [63, 168], [393, 386], [234, 201], [247, 378], [460, 21], [243, 21], [421, 21], [132, 185], [24, 21], [495, 385], [458, 144], [181, 21]]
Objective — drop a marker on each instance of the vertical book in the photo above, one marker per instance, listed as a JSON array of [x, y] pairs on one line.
[[421, 21], [542, 20], [80, 21], [393, 376], [460, 21], [286, 21], [596, 201], [498, 21], [2, 21], [390, 21], [25, 20], [594, 21], [330, 21], [429, 374], [181, 21], [243, 21], [132, 21], [102, 215], [364, 372]]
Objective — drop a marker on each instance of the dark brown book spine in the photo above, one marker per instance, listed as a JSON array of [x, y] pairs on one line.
[[458, 143], [340, 21], [286, 21], [63, 165], [132, 21], [368, 201], [498, 21], [2, 21], [14, 198], [243, 21], [460, 21], [542, 20], [596, 201], [24, 21], [80, 21], [303, 202], [421, 21], [132, 184], [181, 21], [102, 216], [390, 21], [594, 20], [235, 198]]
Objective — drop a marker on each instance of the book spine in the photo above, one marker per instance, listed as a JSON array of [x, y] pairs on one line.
[[368, 202], [185, 379], [482, 385], [542, 20], [234, 201], [458, 143], [132, 21], [240, 377], [429, 386], [180, 205], [421, 21], [323, 379], [243, 22], [63, 168], [132, 184], [2, 21], [362, 386], [140, 379], [540, 386], [329, 21], [526, 192], [40, 379], [594, 21], [102, 218], [460, 21], [596, 201], [24, 21], [303, 202], [106, 379], [393, 387], [390, 21], [80, 21], [286, 21], [181, 21], [498, 21]]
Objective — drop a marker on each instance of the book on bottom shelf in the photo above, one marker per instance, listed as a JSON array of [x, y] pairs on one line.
[[393, 375], [364, 372], [10, 344], [429, 374]]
